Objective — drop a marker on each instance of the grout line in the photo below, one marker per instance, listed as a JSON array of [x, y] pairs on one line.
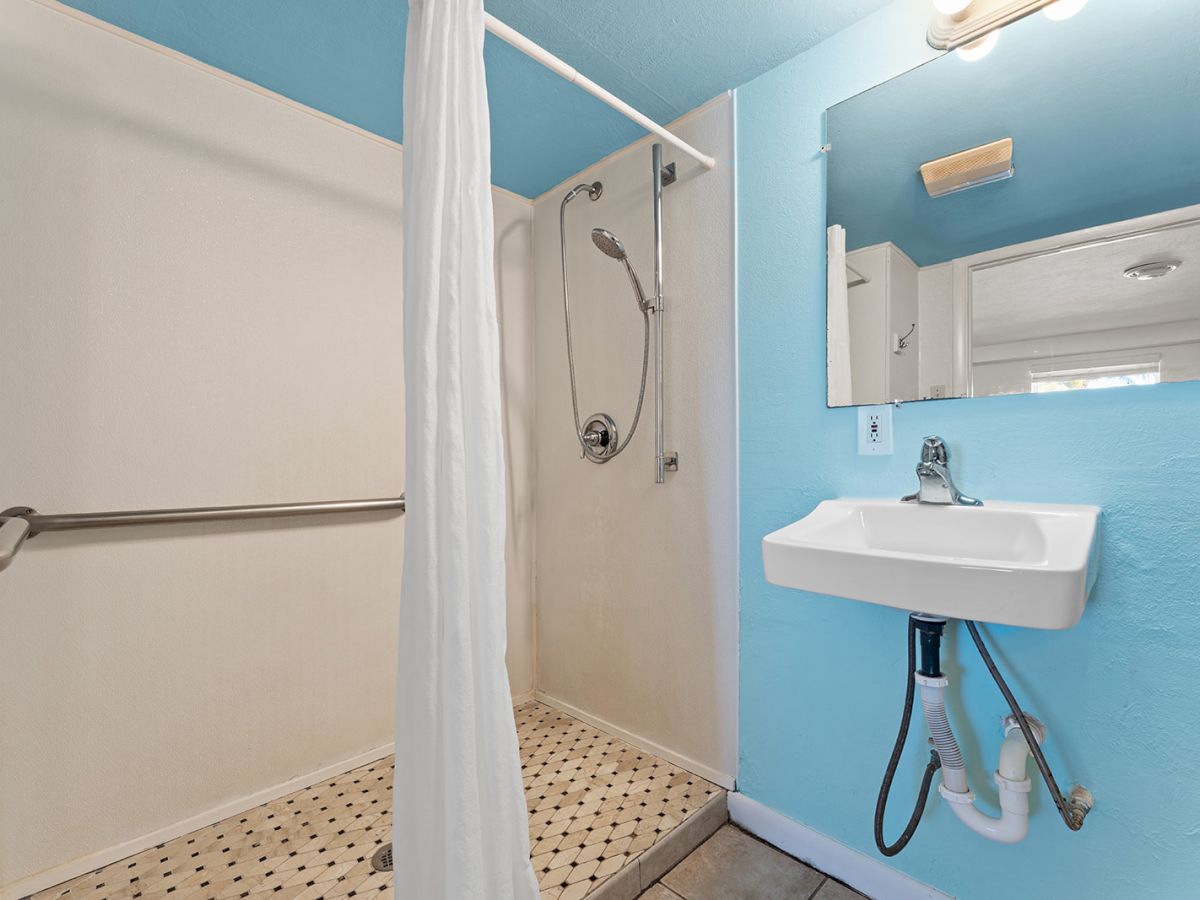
[[824, 876]]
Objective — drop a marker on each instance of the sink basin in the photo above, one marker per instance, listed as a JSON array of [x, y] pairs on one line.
[[1029, 564]]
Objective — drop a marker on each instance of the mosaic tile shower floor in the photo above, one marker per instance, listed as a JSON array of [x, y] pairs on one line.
[[595, 805]]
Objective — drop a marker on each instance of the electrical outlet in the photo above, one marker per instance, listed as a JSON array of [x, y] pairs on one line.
[[875, 430]]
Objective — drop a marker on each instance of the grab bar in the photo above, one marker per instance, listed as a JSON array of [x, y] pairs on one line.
[[19, 523]]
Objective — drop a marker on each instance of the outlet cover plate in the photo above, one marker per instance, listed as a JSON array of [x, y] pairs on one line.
[[875, 430]]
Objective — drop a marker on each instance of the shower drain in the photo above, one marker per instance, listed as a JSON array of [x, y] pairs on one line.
[[382, 860]]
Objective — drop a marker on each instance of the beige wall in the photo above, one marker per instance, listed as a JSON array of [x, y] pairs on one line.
[[199, 304], [637, 582], [514, 303]]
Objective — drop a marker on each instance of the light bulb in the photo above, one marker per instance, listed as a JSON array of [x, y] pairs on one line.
[[1063, 9], [951, 7], [979, 49]]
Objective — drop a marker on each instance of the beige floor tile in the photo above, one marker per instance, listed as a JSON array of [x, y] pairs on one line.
[[660, 892], [834, 890], [732, 865], [595, 803]]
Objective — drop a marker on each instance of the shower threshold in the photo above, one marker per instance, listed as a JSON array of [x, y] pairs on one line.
[[606, 820]]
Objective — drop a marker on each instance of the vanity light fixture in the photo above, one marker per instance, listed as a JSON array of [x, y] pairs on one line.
[[967, 24], [956, 9], [1153, 270], [1063, 9], [979, 49]]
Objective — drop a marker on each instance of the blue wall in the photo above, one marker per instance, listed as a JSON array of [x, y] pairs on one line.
[[822, 678], [1074, 96]]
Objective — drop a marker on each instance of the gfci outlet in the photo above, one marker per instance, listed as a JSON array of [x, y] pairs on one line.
[[875, 431]]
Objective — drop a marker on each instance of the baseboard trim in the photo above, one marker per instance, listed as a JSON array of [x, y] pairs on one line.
[[47, 878], [864, 874], [706, 772]]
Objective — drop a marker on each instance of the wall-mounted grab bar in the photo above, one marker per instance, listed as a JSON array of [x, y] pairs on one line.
[[21, 522], [13, 532]]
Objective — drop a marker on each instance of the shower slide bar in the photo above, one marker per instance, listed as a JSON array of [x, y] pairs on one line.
[[558, 67], [21, 522]]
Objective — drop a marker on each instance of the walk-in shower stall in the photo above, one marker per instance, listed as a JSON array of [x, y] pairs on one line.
[[203, 477]]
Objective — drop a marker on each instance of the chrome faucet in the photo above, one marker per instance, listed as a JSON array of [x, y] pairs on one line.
[[934, 473]]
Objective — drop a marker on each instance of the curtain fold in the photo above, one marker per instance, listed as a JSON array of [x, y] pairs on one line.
[[838, 320], [460, 827]]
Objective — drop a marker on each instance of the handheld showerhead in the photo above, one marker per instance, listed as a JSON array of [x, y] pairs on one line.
[[608, 243]]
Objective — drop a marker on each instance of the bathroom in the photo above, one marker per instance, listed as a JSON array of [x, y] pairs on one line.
[[742, 269]]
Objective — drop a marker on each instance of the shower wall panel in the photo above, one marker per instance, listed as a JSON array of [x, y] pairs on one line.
[[637, 582], [199, 304]]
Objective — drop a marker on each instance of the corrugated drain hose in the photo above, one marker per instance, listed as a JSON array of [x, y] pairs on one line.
[[934, 762]]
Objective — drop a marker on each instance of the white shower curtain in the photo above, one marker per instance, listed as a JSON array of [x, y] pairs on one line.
[[460, 825], [837, 349]]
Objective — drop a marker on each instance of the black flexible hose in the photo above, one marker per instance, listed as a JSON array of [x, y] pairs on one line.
[[934, 762], [1072, 817]]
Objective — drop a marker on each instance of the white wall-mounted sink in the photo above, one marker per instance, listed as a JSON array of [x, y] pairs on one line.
[[1028, 564]]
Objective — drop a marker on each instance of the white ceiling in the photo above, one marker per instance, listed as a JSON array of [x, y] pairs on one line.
[[1085, 290]]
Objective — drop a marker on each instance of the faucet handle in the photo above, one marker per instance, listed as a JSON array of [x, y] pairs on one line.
[[934, 450]]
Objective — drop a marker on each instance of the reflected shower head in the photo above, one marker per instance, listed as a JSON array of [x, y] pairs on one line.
[[608, 243]]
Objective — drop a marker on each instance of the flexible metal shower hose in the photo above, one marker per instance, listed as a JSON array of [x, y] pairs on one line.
[[588, 451]]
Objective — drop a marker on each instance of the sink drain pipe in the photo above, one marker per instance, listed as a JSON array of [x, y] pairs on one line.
[[1023, 737]]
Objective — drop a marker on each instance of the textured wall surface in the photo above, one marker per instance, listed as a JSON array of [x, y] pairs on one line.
[[200, 298], [347, 59], [636, 581], [822, 678]]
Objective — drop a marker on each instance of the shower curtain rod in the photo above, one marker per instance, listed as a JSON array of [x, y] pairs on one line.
[[556, 65]]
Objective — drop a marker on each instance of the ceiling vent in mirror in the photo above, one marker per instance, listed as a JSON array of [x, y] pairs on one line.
[[1152, 270], [969, 168], [960, 22]]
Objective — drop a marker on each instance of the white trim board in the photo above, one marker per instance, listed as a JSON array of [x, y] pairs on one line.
[[706, 772], [864, 874], [47, 878]]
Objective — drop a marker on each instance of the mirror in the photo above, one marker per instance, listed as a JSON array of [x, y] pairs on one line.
[[1022, 223]]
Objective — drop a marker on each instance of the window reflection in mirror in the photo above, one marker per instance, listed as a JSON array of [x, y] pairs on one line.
[[1025, 223]]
